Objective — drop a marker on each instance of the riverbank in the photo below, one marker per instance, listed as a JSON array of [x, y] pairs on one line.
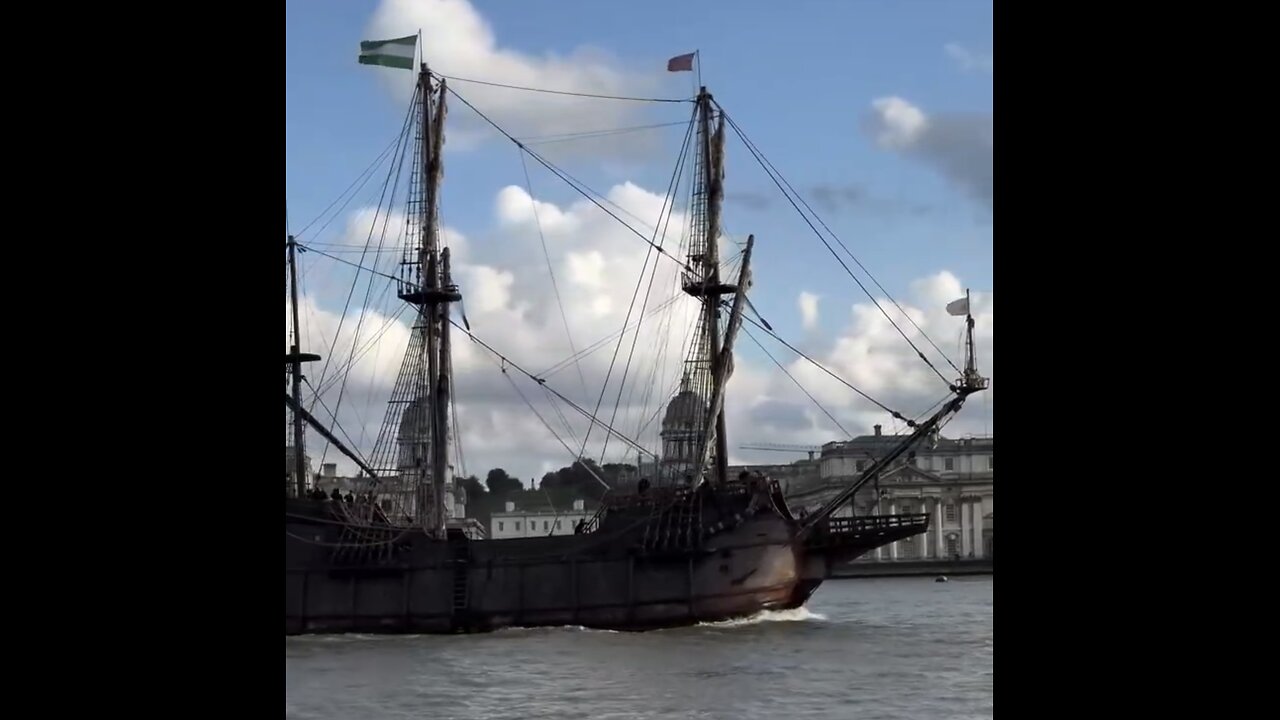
[[907, 568]]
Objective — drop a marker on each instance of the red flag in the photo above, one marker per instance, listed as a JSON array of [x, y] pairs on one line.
[[680, 62]]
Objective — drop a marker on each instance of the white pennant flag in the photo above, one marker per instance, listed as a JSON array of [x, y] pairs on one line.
[[959, 307]]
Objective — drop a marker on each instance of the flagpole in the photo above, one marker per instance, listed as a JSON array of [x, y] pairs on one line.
[[697, 61], [971, 361]]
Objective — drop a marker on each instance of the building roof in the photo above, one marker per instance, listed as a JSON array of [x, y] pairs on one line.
[[879, 443], [685, 410]]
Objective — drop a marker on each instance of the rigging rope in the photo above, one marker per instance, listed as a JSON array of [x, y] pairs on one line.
[[555, 287], [377, 211], [358, 266], [341, 429], [563, 176], [797, 382], [364, 309], [543, 382], [367, 173], [588, 134], [547, 425], [601, 342], [563, 92], [580, 189], [839, 379], [668, 208], [768, 168]]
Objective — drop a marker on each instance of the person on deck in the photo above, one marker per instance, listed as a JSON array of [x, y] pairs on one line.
[[336, 495]]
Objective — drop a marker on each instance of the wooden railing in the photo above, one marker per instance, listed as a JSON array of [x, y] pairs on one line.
[[849, 525]]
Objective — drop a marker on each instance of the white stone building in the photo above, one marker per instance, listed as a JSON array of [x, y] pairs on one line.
[[514, 523], [951, 480]]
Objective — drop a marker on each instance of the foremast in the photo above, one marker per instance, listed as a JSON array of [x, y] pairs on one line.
[[417, 430]]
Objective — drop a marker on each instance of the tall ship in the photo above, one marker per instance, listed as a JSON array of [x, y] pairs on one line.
[[689, 543]]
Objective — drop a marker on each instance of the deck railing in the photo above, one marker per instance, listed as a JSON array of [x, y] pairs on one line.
[[846, 525]]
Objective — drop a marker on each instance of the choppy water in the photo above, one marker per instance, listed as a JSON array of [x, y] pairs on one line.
[[864, 649]]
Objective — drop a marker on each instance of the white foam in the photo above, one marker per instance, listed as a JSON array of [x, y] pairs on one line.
[[800, 614]]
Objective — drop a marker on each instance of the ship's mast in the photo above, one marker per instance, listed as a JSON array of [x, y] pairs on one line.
[[971, 380], [703, 278], [432, 294], [294, 361]]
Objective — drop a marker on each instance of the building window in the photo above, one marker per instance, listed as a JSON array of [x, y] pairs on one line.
[[546, 525], [499, 526], [859, 465], [950, 512], [517, 526], [991, 462], [952, 550], [949, 463], [557, 524], [907, 510]]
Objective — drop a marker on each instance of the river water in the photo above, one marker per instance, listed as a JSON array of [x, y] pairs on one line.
[[863, 649]]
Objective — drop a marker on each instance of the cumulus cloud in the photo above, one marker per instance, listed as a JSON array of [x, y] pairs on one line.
[[959, 146], [459, 42], [510, 304], [808, 309], [872, 355]]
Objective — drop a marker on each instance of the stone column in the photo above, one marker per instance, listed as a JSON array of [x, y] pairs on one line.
[[966, 523], [939, 542], [893, 547], [874, 511], [979, 545]]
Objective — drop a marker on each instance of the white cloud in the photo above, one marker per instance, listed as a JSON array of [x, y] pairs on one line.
[[902, 123], [459, 42], [510, 305], [872, 355], [959, 146], [808, 309]]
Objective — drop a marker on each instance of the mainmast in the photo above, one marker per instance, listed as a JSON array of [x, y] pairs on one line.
[[702, 281]]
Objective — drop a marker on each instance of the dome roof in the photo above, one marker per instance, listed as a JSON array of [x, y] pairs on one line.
[[685, 410]]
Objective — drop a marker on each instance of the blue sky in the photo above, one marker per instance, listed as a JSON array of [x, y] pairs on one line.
[[800, 77]]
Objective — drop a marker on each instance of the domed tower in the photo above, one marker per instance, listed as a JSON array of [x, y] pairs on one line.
[[682, 432], [414, 457]]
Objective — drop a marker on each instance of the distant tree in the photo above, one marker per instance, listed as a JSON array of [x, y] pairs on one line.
[[577, 481], [501, 484], [473, 487]]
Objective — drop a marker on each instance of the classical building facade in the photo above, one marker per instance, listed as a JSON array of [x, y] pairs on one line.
[[532, 522], [950, 479]]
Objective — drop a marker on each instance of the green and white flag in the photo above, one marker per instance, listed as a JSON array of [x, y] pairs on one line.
[[397, 53]]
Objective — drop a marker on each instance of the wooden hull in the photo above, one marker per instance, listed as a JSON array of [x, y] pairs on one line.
[[530, 583], [638, 571]]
